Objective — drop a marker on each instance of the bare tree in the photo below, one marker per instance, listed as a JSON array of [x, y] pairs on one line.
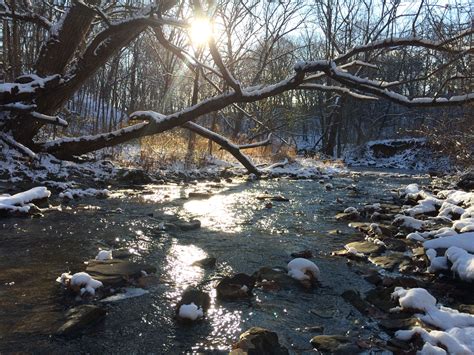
[[88, 35]]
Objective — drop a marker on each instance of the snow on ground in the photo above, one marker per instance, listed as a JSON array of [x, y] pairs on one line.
[[301, 269], [21, 201], [454, 207], [457, 329], [74, 193], [405, 153]]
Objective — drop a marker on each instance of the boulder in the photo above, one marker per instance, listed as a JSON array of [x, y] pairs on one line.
[[365, 247], [332, 343], [258, 341], [192, 296], [117, 272], [188, 226], [347, 216], [278, 198], [79, 318], [235, 287], [388, 261], [207, 263], [133, 177], [466, 181], [274, 279]]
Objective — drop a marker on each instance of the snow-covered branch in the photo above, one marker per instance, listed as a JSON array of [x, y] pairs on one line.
[[391, 43], [17, 146]]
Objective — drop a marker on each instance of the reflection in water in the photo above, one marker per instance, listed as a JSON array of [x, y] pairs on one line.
[[179, 270], [220, 212]]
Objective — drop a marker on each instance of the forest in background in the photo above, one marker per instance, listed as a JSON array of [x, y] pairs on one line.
[[260, 42]]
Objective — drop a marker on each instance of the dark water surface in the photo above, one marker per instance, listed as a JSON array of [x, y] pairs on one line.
[[236, 229]]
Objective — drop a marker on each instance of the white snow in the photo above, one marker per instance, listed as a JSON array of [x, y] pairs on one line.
[[408, 222], [104, 255], [82, 280], [462, 263], [464, 241], [190, 311], [426, 205], [21, 201], [351, 210], [441, 317], [74, 193], [458, 341], [299, 268], [436, 262]]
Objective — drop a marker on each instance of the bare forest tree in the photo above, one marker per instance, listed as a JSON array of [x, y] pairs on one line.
[[328, 58]]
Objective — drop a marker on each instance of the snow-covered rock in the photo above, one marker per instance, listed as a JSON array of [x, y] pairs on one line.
[[104, 255], [190, 311], [303, 269], [80, 281]]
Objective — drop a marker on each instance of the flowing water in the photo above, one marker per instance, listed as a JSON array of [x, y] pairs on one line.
[[236, 229]]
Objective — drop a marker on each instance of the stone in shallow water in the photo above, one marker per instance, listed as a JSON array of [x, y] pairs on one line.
[[366, 248], [199, 195], [388, 261], [397, 324], [199, 298], [235, 287], [330, 343], [347, 216], [117, 272], [188, 226], [259, 341], [273, 279], [209, 262], [80, 318], [277, 198]]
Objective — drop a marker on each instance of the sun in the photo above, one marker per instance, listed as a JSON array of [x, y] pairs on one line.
[[200, 31]]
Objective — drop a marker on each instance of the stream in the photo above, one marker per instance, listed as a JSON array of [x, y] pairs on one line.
[[236, 228]]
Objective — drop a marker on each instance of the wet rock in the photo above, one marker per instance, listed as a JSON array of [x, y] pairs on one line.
[[133, 177], [117, 272], [342, 216], [207, 263], [278, 198], [388, 261], [121, 253], [381, 298], [330, 343], [192, 296], [466, 181], [268, 205], [365, 247], [307, 254], [397, 324], [396, 345], [466, 308], [199, 195], [188, 226], [364, 307], [79, 318], [399, 245], [273, 279], [311, 329], [334, 232], [258, 341], [235, 287]]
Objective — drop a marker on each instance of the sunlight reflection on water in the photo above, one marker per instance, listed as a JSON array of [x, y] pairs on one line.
[[179, 269], [220, 212]]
